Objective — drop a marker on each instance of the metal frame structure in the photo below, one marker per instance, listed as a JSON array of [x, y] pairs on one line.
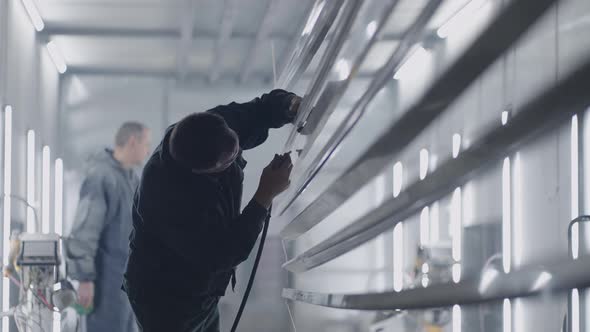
[[549, 109], [186, 38], [227, 25], [506, 28], [261, 34]]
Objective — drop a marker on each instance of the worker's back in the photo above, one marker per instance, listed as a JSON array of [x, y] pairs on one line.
[[171, 205]]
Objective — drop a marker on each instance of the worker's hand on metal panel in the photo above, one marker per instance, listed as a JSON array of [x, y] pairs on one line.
[[274, 179]]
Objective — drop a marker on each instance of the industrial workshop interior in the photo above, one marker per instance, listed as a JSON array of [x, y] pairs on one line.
[[439, 175]]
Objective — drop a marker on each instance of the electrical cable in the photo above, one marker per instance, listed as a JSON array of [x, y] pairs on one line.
[[276, 163], [36, 294], [252, 275]]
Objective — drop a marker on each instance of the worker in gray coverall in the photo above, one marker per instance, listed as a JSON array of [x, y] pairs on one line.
[[97, 248]]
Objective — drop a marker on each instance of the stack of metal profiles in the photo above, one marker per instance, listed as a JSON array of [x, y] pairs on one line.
[[344, 32]]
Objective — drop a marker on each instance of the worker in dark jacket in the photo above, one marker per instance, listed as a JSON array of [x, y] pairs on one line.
[[189, 233]]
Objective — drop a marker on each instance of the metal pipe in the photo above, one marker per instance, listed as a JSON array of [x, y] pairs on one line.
[[506, 28], [549, 109], [546, 279]]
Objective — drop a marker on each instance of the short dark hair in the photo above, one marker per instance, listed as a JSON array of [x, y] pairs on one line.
[[200, 140], [127, 130]]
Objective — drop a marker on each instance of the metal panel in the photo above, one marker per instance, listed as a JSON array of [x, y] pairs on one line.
[[374, 13], [304, 51], [341, 33], [549, 109], [532, 280], [384, 76], [499, 36]]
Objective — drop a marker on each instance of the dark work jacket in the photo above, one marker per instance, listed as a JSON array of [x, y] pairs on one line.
[[189, 234]]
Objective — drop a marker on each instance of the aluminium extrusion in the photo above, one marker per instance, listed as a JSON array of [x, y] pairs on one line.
[[317, 118], [341, 30], [505, 29], [559, 276], [548, 109], [301, 55], [409, 39]]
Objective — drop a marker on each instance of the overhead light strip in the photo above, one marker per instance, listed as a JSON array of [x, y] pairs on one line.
[[34, 15], [30, 227], [46, 182], [398, 257], [59, 195], [7, 211], [57, 57], [575, 208]]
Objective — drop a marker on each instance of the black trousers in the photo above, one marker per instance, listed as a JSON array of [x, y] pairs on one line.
[[160, 312]]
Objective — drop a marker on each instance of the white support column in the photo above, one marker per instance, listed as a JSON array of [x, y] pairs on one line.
[[7, 213], [227, 26], [261, 34], [186, 38]]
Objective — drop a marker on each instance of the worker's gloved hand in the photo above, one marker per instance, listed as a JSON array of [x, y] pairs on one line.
[[274, 179], [86, 294]]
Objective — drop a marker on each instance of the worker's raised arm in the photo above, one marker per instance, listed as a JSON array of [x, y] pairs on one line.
[[252, 120]]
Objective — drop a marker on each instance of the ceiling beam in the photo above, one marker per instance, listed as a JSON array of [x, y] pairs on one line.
[[54, 29], [169, 73], [263, 31], [227, 26], [131, 32], [187, 26]]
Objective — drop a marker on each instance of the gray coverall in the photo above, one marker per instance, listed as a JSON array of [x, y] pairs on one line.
[[97, 248]]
